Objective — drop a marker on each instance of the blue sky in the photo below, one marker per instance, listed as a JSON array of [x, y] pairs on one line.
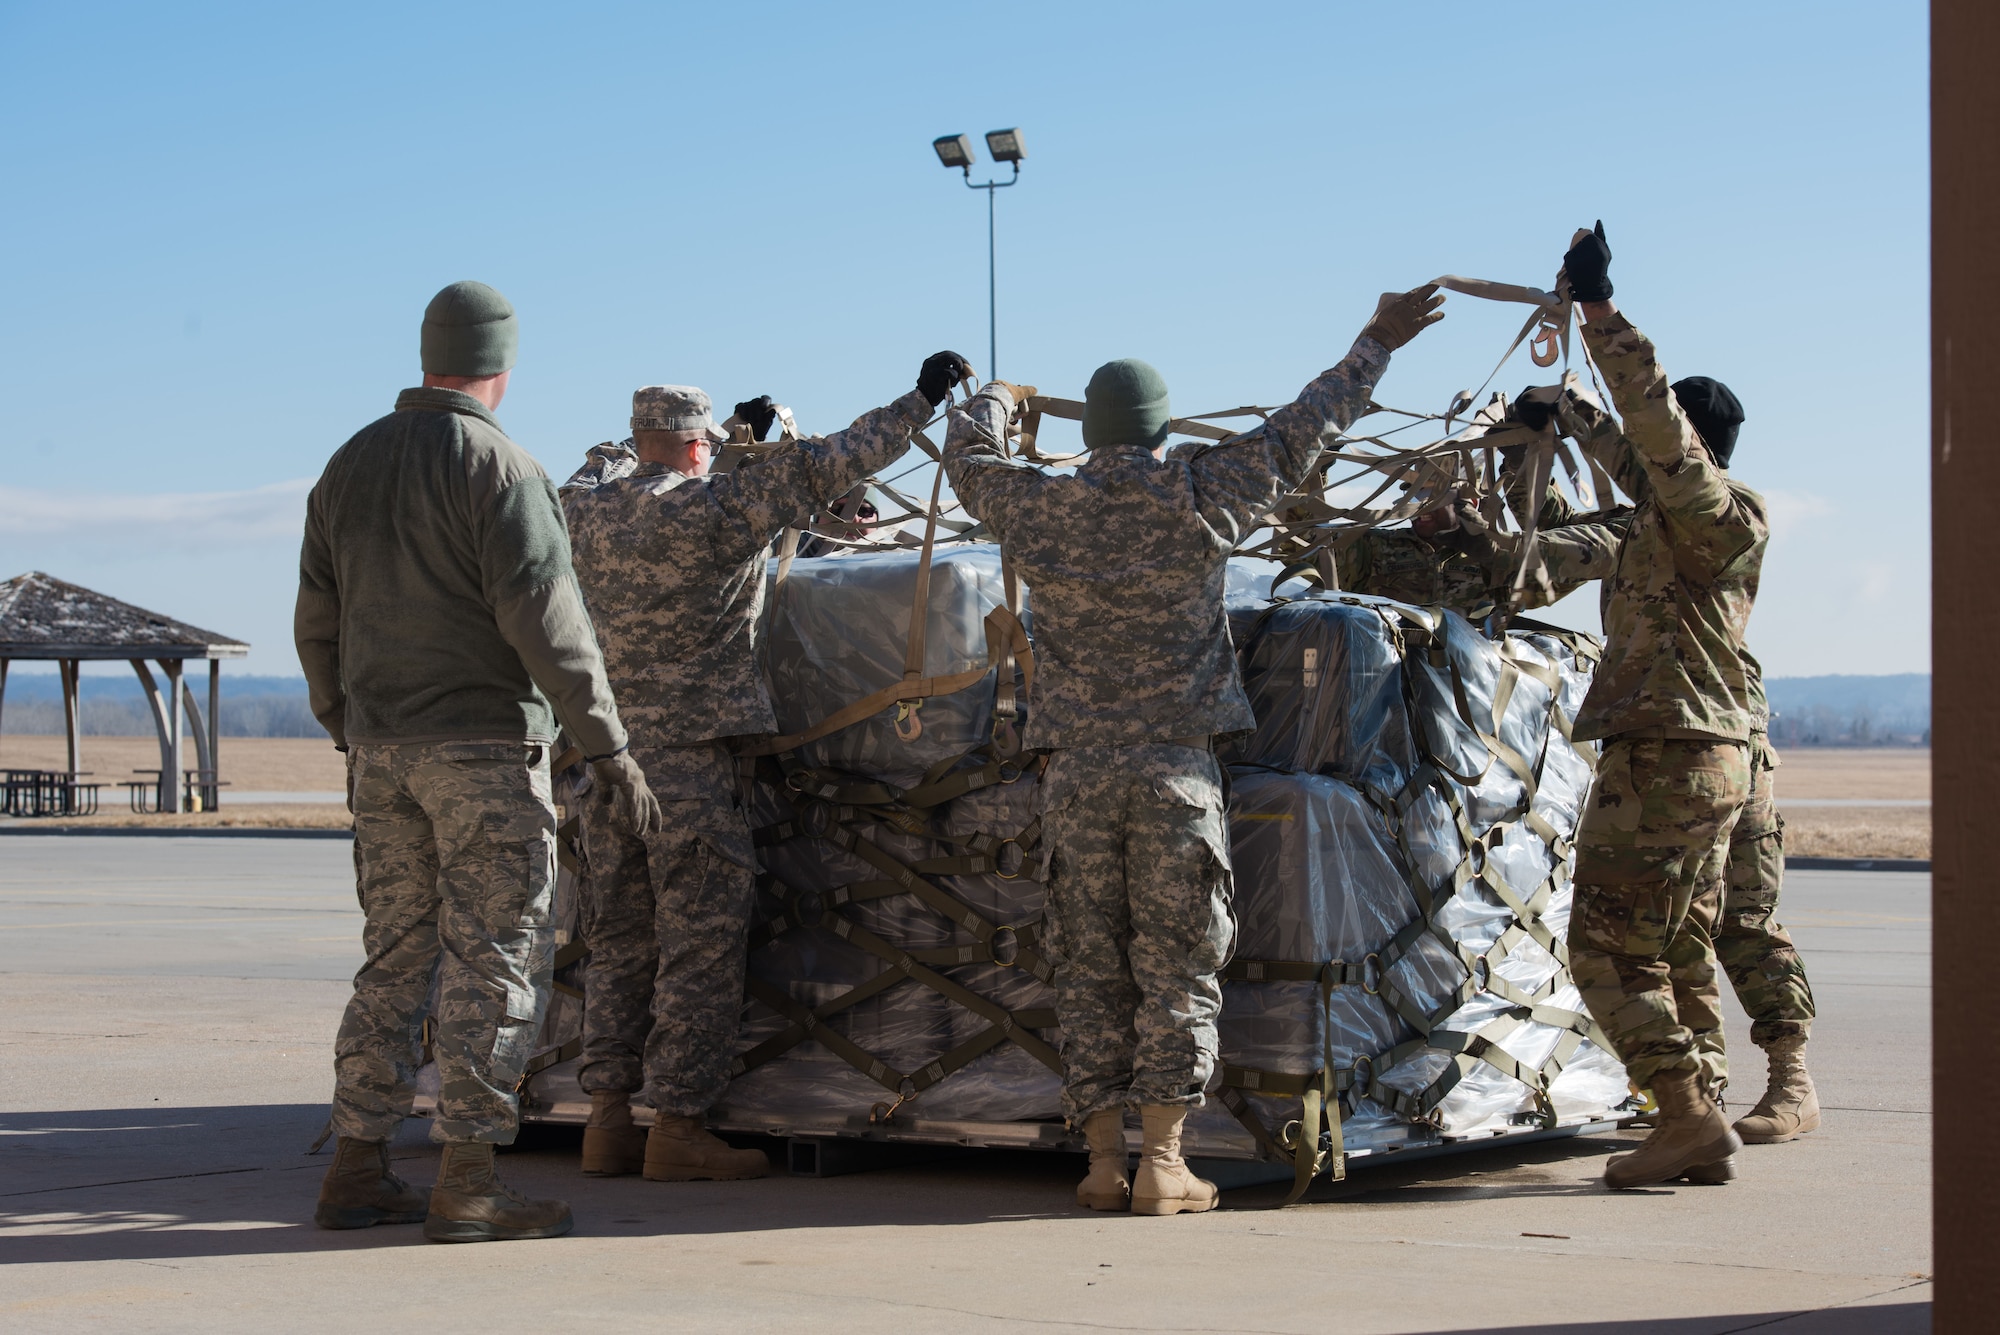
[[222, 224]]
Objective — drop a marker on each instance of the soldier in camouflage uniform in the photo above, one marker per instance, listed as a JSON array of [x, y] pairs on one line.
[[1445, 558], [443, 639], [1135, 677], [1674, 705], [1757, 952], [672, 561]]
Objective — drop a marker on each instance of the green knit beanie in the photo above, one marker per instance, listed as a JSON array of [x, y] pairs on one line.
[[1125, 404], [469, 330]]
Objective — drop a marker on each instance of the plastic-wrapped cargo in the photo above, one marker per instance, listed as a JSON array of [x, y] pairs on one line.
[[1400, 821]]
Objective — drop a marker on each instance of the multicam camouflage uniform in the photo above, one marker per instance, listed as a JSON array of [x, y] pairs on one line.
[[1449, 570], [1756, 951], [1135, 674], [1674, 704], [673, 570]]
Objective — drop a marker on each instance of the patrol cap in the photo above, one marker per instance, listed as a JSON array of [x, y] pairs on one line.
[[675, 408], [469, 330], [1715, 413]]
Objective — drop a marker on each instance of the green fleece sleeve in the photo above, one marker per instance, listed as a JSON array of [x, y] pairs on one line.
[[316, 627]]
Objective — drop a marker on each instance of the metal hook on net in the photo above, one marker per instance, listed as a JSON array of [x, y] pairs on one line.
[[906, 712]]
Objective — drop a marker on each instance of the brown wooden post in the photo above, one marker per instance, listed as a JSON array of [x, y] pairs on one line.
[[1965, 646], [72, 689], [215, 731]]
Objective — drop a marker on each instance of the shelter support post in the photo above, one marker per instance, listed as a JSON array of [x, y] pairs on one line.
[[168, 779], [214, 761], [68, 668], [3, 689], [173, 796], [204, 763], [1965, 639]]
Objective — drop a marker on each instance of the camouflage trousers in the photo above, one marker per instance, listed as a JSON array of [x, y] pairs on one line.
[[1756, 952], [454, 862], [1139, 895], [667, 922], [1649, 894]]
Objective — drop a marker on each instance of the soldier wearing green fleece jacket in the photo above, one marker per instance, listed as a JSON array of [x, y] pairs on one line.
[[444, 640]]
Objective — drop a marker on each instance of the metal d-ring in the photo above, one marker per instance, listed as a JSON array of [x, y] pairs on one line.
[[1019, 867], [1371, 974], [1004, 946], [1482, 973]]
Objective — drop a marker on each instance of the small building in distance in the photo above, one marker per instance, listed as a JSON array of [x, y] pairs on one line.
[[46, 619]]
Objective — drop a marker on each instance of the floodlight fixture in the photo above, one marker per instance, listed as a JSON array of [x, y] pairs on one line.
[[1005, 146], [955, 150]]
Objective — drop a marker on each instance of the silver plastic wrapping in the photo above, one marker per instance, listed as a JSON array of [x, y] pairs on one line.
[[1372, 761]]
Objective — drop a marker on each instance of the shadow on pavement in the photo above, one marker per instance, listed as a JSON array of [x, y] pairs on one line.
[[160, 1183], [1912, 1318]]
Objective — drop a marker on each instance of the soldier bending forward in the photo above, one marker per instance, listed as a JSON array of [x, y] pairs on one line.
[[443, 639], [672, 561], [1135, 677]]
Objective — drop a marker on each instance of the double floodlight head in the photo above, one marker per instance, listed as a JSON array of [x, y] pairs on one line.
[[955, 150]]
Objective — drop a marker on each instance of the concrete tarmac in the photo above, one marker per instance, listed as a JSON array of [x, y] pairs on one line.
[[165, 1059]]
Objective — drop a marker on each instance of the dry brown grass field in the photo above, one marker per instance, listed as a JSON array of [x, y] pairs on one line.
[[284, 764]]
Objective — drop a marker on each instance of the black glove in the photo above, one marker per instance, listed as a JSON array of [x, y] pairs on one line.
[[1532, 415], [758, 414], [941, 371], [1588, 265]]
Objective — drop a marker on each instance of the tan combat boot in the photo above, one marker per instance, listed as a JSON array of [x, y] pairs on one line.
[[1690, 1134], [1164, 1185], [359, 1189], [1106, 1187], [612, 1144], [680, 1149], [1790, 1106], [470, 1204]]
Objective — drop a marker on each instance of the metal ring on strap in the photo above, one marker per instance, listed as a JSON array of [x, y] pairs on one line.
[[1000, 868], [1482, 974], [1004, 946], [1371, 974]]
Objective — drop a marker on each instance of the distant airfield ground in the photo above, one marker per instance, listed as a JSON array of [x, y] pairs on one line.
[[296, 783]]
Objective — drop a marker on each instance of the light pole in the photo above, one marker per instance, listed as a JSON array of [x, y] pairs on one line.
[[955, 150]]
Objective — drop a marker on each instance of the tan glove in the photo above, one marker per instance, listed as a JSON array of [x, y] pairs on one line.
[[633, 805], [1401, 316]]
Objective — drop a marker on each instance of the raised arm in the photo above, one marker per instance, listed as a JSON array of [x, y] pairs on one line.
[[1239, 481], [991, 486], [316, 627], [784, 487], [1691, 490]]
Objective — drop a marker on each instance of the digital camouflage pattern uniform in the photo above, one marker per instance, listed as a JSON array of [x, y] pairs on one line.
[[673, 569], [1135, 673], [443, 637], [1674, 703]]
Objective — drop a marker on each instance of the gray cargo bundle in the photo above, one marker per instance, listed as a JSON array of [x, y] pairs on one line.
[[1400, 821]]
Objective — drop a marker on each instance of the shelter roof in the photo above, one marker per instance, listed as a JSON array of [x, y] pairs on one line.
[[44, 617]]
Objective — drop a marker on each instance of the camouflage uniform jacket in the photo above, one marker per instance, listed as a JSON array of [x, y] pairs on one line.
[[1126, 558], [1396, 563], [672, 569], [1676, 608], [601, 464]]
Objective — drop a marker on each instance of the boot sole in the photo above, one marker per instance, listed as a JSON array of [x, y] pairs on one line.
[[1149, 1205], [1118, 1201], [1710, 1174], [1755, 1138], [608, 1167], [475, 1230], [364, 1216], [653, 1174], [1714, 1153]]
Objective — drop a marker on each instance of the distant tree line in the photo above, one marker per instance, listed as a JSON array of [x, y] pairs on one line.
[[1828, 725], [242, 716]]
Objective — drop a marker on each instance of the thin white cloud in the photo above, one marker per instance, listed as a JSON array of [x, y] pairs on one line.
[[1790, 510], [187, 520]]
